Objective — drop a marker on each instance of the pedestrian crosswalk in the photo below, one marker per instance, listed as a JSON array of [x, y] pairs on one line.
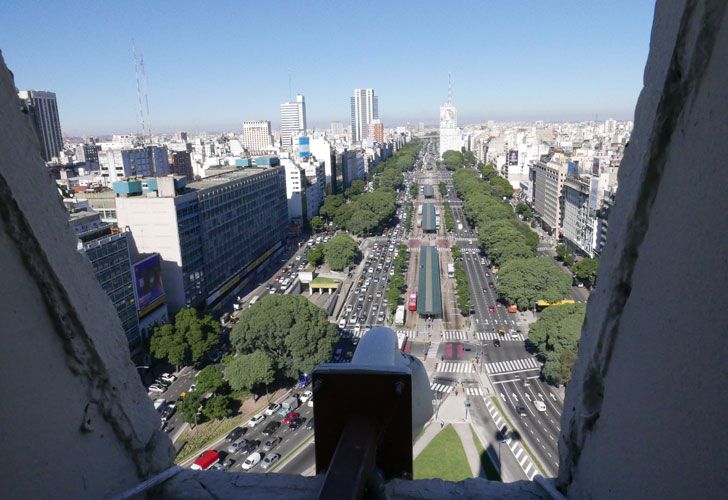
[[453, 367], [455, 335], [473, 391], [441, 388], [432, 351], [494, 335], [408, 333], [519, 452], [512, 366]]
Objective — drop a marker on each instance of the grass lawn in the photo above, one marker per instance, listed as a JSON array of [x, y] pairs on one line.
[[490, 471], [206, 433], [322, 280], [443, 458]]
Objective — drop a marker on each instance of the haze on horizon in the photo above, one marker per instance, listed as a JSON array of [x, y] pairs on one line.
[[210, 67]]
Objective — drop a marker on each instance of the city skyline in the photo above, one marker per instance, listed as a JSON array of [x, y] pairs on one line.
[[514, 62]]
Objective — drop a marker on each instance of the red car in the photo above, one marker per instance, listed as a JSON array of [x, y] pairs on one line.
[[491, 309], [290, 417]]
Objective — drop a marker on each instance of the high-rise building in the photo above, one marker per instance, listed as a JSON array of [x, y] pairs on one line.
[[449, 133], [376, 131], [257, 137], [43, 108], [149, 161], [581, 200], [180, 163], [547, 178], [212, 234], [337, 128], [293, 121], [364, 109]]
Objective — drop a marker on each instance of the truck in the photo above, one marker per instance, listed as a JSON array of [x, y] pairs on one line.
[[399, 316], [450, 270], [290, 404]]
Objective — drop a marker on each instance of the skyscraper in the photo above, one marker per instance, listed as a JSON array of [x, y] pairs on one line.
[[257, 136], [364, 109], [43, 108], [449, 124], [293, 121]]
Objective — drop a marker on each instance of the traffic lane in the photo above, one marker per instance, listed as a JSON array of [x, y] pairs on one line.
[[302, 462]]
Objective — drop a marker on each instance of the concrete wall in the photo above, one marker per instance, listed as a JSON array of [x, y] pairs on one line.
[[645, 414], [75, 421]]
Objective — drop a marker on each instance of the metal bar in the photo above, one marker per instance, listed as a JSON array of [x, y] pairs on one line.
[[353, 461]]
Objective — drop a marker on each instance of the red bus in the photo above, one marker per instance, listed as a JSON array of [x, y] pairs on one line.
[[412, 301], [206, 460]]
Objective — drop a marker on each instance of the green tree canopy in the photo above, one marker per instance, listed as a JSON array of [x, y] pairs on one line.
[[210, 379], [217, 407], [331, 204], [414, 190], [525, 281], [524, 211], [250, 371], [356, 188], [316, 255], [453, 159], [167, 344], [293, 332], [340, 252], [188, 407], [556, 336], [317, 223], [188, 340], [586, 270], [442, 187]]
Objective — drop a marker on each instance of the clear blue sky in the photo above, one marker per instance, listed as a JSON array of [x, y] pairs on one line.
[[211, 65]]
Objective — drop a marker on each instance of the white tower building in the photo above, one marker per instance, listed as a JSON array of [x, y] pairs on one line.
[[364, 109], [449, 124], [293, 121]]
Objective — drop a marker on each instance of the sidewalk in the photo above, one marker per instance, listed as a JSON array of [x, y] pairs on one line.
[[466, 437], [432, 430]]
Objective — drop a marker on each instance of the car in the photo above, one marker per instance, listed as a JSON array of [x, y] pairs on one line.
[[157, 388], [309, 424], [255, 420], [167, 413], [349, 307], [522, 411], [237, 445], [290, 417], [540, 405], [497, 343], [159, 404], [272, 408], [498, 304], [251, 461], [306, 396], [380, 317], [228, 464], [271, 427], [206, 460], [271, 443], [269, 460], [342, 323], [513, 333], [310, 401], [249, 446], [491, 309], [236, 434], [491, 285], [168, 377], [296, 423]]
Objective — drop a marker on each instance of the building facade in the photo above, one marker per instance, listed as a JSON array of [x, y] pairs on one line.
[[364, 109], [180, 163], [148, 161], [293, 121], [547, 181], [580, 213], [212, 234], [257, 136], [449, 133], [43, 109]]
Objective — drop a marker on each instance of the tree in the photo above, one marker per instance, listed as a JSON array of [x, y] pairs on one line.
[[292, 331], [469, 158], [586, 270], [362, 222], [315, 256], [569, 259], [556, 336], [453, 159], [189, 406], [524, 211], [442, 187], [217, 407], [209, 379], [561, 252], [340, 252], [249, 371], [167, 344], [525, 281], [343, 214], [317, 223], [414, 190], [356, 188], [331, 204]]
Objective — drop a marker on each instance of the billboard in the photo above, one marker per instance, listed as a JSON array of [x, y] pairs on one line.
[[148, 284], [513, 157]]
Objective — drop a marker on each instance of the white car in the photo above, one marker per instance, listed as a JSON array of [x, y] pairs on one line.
[[310, 403], [255, 420], [272, 408], [251, 461], [168, 377], [540, 405], [306, 396], [342, 323]]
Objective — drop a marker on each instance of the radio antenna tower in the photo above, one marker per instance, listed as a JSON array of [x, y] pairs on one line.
[[143, 126]]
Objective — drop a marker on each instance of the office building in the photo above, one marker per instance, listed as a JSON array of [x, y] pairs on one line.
[[322, 151], [547, 181], [364, 109], [180, 163], [305, 189], [581, 200], [212, 234], [376, 131], [257, 136], [293, 121], [88, 153], [148, 161], [43, 109]]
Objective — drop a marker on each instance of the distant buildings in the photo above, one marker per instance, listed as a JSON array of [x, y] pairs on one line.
[[449, 132], [376, 131], [180, 163], [293, 121], [43, 109], [148, 161], [364, 109], [212, 234], [257, 136], [305, 188]]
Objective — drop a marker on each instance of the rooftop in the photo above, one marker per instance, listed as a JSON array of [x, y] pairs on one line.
[[226, 174]]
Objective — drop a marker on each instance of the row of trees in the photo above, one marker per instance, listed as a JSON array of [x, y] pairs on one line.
[[449, 219], [585, 270], [187, 340], [414, 190], [457, 159], [339, 252], [408, 220], [462, 290], [556, 336], [442, 187], [397, 284]]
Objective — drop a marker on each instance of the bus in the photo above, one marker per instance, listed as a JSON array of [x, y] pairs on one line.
[[253, 301], [543, 304], [412, 301], [450, 270]]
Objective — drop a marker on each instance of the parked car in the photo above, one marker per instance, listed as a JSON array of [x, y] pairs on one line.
[[272, 408], [168, 377], [251, 461], [269, 460], [236, 433], [255, 420], [271, 443], [157, 388], [271, 427]]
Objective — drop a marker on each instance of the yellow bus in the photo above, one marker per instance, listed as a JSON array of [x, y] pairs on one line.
[[543, 304]]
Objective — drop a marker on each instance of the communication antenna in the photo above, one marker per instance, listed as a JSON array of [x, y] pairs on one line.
[[145, 89], [140, 112], [144, 124], [449, 88]]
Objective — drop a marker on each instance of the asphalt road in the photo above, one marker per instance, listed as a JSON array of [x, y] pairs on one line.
[[302, 463]]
